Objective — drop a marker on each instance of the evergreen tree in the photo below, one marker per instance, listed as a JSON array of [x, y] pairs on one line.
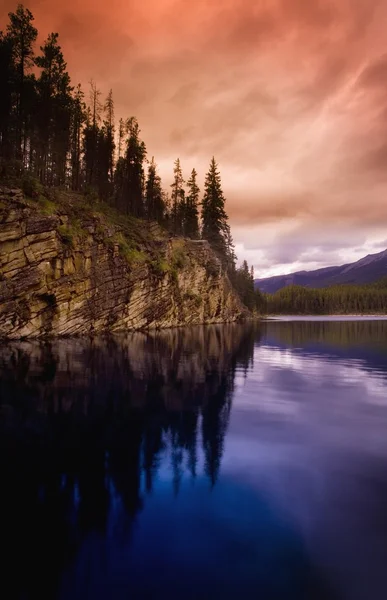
[[243, 281], [338, 299], [122, 131], [103, 162], [54, 112], [129, 176], [178, 199], [191, 224], [154, 199], [91, 137], [119, 184], [45, 125], [215, 227], [135, 156], [110, 133], [78, 116], [7, 78], [230, 250], [22, 35], [104, 150]]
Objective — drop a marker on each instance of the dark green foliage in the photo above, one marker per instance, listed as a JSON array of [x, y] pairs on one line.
[[191, 217], [31, 186], [78, 117], [243, 280], [160, 267], [154, 198], [178, 200], [109, 135], [7, 78], [135, 156], [122, 130], [66, 235], [54, 106], [341, 299], [91, 137], [179, 257], [51, 138], [129, 176], [22, 36], [215, 227]]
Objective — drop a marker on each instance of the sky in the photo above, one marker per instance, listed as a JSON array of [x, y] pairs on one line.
[[290, 96]]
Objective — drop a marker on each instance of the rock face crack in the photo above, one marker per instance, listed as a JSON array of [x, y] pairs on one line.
[[49, 287]]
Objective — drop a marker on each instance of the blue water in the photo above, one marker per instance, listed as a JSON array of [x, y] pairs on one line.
[[232, 461]]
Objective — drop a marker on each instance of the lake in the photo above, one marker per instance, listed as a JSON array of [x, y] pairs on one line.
[[234, 461]]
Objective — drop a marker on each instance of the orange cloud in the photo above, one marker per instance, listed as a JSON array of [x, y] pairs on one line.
[[289, 95]]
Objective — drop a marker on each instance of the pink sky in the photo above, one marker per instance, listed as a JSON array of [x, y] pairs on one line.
[[289, 95]]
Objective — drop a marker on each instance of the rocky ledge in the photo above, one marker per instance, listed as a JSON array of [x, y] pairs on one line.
[[69, 269]]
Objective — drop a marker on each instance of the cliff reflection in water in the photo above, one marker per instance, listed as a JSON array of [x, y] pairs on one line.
[[124, 472], [84, 424]]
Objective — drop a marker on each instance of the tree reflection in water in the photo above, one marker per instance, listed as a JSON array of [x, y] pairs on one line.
[[85, 424]]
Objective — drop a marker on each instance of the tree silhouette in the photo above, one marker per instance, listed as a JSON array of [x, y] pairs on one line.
[[178, 199], [155, 206], [215, 227], [191, 217], [22, 35]]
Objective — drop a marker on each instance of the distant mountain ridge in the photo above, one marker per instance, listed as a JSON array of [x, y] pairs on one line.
[[366, 270]]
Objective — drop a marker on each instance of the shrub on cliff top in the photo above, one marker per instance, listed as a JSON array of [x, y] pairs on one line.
[[66, 235], [31, 186]]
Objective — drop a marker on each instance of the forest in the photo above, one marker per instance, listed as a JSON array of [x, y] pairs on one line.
[[341, 299], [53, 134]]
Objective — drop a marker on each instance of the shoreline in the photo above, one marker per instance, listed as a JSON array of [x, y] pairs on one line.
[[327, 316]]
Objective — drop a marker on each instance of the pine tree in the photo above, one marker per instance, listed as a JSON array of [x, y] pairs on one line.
[[230, 250], [215, 227], [7, 78], [54, 111], [135, 156], [110, 133], [122, 131], [154, 198], [119, 184], [191, 224], [129, 176], [78, 116], [103, 176], [91, 137], [243, 281], [22, 35], [103, 162], [178, 199]]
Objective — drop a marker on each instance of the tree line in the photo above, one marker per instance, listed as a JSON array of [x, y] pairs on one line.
[[51, 132], [339, 299]]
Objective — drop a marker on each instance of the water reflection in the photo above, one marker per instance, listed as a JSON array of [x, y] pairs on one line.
[[339, 336], [82, 421], [183, 463]]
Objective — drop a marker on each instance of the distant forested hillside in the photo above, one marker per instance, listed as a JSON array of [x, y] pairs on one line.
[[338, 299]]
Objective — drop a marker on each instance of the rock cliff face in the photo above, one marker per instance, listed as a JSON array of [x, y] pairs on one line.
[[65, 275]]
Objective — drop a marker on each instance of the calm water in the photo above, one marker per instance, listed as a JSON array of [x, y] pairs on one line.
[[219, 462]]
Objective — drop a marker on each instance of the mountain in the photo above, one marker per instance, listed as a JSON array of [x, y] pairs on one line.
[[366, 270]]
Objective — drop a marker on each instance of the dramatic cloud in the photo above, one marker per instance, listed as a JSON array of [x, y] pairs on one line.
[[289, 95]]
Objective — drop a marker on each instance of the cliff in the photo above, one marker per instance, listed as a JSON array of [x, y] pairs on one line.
[[68, 266]]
